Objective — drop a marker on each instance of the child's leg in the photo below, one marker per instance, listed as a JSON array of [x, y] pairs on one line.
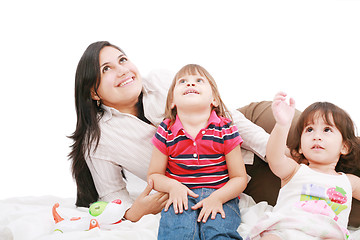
[[220, 228], [179, 226]]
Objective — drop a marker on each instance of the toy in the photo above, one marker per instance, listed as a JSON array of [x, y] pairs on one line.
[[102, 215]]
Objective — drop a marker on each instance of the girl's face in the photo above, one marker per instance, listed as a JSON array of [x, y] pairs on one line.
[[120, 81], [193, 91], [322, 143]]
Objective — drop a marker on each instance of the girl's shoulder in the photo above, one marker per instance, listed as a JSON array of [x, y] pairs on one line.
[[225, 120], [165, 124], [353, 179], [166, 121], [293, 172], [355, 185]]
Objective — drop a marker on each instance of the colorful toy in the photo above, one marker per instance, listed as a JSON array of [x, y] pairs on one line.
[[102, 215]]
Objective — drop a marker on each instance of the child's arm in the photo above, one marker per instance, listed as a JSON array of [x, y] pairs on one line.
[[355, 184], [236, 185], [280, 164], [177, 191]]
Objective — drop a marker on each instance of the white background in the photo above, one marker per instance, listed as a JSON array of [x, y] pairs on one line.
[[308, 48]]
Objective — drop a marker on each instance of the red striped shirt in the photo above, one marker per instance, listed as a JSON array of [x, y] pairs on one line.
[[198, 162]]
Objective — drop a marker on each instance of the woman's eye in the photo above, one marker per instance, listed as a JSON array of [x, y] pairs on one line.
[[106, 68], [123, 59]]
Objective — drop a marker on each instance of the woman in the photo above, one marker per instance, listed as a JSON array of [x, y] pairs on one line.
[[117, 115]]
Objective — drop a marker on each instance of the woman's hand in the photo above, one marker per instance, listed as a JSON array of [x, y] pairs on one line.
[[178, 197], [146, 203]]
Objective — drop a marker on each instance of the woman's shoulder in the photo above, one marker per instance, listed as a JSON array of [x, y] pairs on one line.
[[158, 79], [155, 89]]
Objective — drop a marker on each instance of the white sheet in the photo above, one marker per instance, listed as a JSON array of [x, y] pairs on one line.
[[30, 218]]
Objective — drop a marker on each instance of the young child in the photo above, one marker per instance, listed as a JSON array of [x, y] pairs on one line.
[[315, 199], [197, 160]]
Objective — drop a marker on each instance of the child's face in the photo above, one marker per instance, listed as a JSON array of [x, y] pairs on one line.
[[322, 143], [193, 91]]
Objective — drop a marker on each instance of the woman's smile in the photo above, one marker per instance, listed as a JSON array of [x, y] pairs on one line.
[[126, 81]]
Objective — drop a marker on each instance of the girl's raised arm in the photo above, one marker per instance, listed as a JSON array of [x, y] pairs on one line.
[[281, 165]]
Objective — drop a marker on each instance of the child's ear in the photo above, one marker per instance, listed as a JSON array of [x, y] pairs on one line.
[[215, 102], [300, 151], [94, 95], [345, 149], [172, 105]]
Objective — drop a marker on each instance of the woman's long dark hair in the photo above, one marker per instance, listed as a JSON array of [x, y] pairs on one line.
[[88, 112]]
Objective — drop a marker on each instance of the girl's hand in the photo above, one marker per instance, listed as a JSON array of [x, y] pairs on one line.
[[146, 203], [178, 197], [283, 111], [210, 206]]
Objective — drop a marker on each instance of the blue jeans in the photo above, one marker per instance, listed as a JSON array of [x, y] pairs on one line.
[[185, 225]]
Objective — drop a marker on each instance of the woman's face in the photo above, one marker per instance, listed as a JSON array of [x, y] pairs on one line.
[[120, 81]]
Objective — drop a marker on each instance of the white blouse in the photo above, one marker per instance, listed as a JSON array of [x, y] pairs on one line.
[[125, 141]]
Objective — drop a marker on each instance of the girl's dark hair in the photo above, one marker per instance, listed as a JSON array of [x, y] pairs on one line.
[[349, 163], [88, 112]]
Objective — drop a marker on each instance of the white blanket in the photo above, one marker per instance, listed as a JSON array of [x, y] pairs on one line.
[[30, 218]]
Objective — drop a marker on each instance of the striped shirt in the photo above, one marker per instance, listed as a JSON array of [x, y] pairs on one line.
[[198, 162]]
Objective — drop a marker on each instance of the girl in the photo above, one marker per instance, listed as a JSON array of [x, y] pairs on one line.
[[315, 199], [197, 154]]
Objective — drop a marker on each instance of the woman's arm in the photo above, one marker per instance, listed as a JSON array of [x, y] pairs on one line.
[[146, 203], [177, 191], [110, 185], [260, 113], [108, 180], [255, 138], [236, 185]]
